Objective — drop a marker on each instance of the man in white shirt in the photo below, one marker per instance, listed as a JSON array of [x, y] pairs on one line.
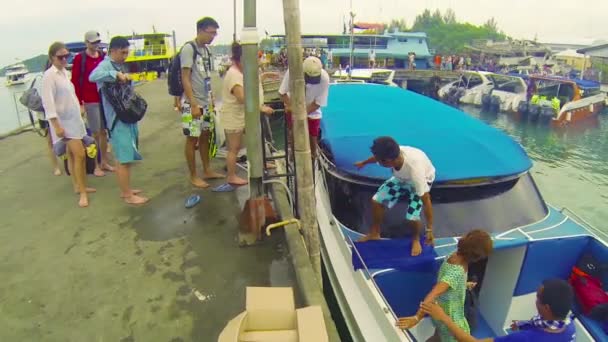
[[372, 58], [317, 91], [413, 175]]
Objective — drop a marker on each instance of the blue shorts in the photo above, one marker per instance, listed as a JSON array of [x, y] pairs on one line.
[[393, 190], [125, 142]]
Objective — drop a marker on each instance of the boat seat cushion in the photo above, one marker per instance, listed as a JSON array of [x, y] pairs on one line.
[[269, 336], [392, 253], [311, 325], [270, 308], [547, 259]]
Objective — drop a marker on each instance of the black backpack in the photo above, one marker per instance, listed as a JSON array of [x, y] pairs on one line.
[[129, 106], [174, 76]]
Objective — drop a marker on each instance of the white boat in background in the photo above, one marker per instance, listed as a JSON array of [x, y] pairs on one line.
[[16, 74], [506, 94], [377, 76], [468, 89]]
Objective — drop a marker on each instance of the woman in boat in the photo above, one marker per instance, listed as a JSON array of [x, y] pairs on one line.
[[451, 286], [233, 112], [62, 109]]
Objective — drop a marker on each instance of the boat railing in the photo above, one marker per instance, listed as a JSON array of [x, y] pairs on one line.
[[590, 227], [345, 46], [148, 50], [368, 275]]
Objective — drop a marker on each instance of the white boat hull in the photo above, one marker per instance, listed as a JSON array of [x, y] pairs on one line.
[[366, 315]]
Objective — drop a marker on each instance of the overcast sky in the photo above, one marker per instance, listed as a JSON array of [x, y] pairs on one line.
[[29, 27]]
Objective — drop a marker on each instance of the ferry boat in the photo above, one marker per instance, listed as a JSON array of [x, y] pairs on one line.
[[483, 180], [16, 74], [149, 55]]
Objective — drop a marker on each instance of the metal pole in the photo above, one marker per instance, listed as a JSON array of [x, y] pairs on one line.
[[234, 20], [174, 44], [304, 169], [352, 38], [249, 40]]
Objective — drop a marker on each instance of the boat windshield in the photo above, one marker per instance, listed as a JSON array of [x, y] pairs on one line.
[[494, 207], [508, 84]]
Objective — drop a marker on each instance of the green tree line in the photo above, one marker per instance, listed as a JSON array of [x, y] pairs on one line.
[[445, 33]]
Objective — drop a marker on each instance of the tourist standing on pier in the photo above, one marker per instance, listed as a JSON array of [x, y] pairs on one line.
[[233, 112], [62, 110], [196, 103], [413, 175], [123, 136], [88, 96], [317, 91]]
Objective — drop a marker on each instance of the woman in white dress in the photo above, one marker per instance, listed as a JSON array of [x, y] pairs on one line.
[[62, 109], [233, 113]]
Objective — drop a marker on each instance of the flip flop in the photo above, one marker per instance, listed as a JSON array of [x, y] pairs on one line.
[[192, 201], [226, 187]]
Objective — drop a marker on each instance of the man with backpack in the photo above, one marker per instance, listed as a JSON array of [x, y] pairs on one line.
[[123, 135], [88, 96], [196, 103]]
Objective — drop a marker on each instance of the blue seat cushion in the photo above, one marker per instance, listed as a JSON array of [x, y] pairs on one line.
[[548, 259]]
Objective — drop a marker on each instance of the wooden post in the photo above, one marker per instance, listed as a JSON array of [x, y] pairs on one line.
[[306, 200]]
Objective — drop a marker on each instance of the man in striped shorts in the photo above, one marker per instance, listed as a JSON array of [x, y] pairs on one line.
[[413, 175]]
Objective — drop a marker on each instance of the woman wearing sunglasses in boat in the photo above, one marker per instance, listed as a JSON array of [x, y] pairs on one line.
[[450, 290], [62, 109]]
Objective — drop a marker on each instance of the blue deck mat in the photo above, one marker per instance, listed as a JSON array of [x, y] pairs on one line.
[[392, 253]]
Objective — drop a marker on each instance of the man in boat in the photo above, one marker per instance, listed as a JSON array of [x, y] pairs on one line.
[[413, 175], [196, 104], [553, 323], [317, 91]]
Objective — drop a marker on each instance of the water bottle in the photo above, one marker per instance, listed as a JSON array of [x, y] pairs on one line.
[[186, 118]]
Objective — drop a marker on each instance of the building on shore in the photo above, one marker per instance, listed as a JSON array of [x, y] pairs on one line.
[[599, 60], [510, 52], [391, 50]]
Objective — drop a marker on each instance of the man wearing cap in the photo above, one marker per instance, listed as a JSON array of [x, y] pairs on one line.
[[317, 90], [88, 96]]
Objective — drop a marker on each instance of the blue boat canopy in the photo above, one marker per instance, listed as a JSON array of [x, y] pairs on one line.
[[460, 147]]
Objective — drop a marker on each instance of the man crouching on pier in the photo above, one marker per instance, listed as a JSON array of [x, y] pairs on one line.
[[413, 175]]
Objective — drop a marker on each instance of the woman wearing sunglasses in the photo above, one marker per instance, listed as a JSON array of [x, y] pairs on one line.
[[62, 109]]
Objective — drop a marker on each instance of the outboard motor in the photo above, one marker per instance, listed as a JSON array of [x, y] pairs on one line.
[[546, 114], [495, 104], [522, 108], [486, 101], [533, 111]]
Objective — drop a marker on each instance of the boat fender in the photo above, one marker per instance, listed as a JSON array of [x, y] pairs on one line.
[[523, 107], [533, 110], [495, 104]]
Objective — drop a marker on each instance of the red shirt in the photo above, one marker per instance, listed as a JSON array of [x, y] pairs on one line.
[[88, 92]]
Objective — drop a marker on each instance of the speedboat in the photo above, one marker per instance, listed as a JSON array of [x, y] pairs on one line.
[[468, 89], [506, 94], [377, 76], [16, 74], [483, 180], [562, 101]]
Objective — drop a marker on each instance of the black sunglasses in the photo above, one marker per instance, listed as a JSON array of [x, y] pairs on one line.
[[63, 56]]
